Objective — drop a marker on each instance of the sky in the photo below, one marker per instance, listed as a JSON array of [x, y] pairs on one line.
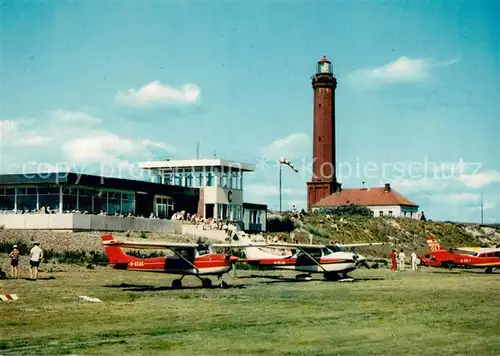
[[96, 87]]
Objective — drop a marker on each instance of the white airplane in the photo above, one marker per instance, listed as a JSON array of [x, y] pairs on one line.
[[333, 261]]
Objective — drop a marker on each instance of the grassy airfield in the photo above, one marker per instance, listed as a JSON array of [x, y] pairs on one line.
[[424, 313]]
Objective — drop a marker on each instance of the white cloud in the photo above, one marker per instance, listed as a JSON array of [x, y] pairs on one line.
[[486, 206], [35, 140], [157, 94], [481, 179], [12, 134], [158, 145], [458, 198], [401, 70], [74, 116], [415, 184], [106, 147], [8, 126], [291, 146]]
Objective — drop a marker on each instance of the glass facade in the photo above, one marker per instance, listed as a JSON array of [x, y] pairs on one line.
[[230, 212], [84, 199], [7, 199], [201, 177]]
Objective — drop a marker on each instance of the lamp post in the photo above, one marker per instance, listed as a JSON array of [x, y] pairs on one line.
[[283, 161]]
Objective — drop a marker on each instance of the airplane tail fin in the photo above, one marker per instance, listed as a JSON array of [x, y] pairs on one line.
[[115, 253], [252, 253], [434, 244]]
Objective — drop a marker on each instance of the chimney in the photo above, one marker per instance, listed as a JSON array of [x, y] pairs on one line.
[[387, 187]]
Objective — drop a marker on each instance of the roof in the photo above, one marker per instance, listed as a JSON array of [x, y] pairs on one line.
[[254, 206], [324, 59], [71, 178], [365, 196], [198, 163]]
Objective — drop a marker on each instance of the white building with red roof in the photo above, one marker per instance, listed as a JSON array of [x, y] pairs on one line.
[[383, 201]]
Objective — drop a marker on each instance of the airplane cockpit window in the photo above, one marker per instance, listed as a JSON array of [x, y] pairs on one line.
[[472, 253], [336, 248], [327, 251], [314, 253], [204, 250]]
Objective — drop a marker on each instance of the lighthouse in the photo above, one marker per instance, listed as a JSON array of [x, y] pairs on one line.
[[323, 182]]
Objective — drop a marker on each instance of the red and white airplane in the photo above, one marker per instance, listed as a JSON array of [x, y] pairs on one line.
[[199, 260], [475, 257], [333, 261]]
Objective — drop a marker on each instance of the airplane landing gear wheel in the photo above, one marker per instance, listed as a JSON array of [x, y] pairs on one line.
[[332, 276], [223, 284], [206, 283], [176, 284], [488, 270]]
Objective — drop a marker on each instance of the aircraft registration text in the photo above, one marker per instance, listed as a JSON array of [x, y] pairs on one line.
[[136, 264]]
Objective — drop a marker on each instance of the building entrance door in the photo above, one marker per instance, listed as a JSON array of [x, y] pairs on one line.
[[161, 211], [164, 207]]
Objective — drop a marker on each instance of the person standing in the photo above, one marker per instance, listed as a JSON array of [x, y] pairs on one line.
[[14, 261], [36, 255], [414, 260], [393, 260], [402, 259]]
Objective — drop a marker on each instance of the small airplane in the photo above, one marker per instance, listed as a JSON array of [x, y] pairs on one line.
[[195, 259], [331, 260], [487, 258]]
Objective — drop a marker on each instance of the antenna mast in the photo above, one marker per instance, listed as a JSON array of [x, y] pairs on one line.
[[481, 207], [198, 150]]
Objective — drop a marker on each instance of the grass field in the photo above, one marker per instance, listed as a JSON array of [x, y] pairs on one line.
[[413, 313]]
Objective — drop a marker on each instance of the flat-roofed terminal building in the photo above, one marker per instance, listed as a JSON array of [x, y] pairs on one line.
[[209, 188], [220, 185]]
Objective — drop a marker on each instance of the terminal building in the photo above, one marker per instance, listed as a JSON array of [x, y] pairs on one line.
[[211, 189]]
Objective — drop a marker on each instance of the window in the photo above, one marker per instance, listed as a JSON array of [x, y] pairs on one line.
[[390, 212], [7, 199], [178, 179], [189, 180], [380, 213], [100, 201], [314, 253], [164, 207], [203, 250], [26, 199], [85, 200], [128, 203], [49, 197], [114, 202]]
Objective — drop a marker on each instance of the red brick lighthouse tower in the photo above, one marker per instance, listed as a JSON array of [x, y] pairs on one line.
[[324, 181]]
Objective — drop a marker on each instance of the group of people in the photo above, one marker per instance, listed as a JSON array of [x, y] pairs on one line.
[[401, 257], [36, 255]]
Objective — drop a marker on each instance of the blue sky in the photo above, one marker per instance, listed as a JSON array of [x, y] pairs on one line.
[[89, 84]]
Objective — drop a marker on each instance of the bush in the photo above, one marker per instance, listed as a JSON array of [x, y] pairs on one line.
[[280, 225], [345, 210]]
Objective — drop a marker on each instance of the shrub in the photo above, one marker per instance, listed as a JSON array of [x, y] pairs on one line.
[[345, 210], [280, 225]]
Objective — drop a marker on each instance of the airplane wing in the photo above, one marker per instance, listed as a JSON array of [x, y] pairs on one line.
[[240, 245], [287, 245], [360, 245], [161, 245], [150, 245], [468, 249], [293, 246]]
